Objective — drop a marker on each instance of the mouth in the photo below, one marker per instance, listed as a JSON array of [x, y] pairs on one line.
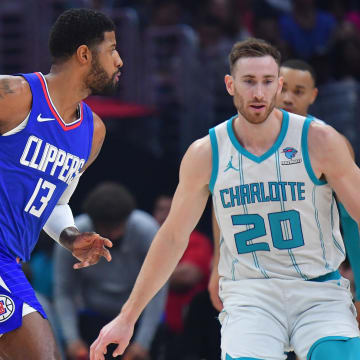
[[117, 76], [257, 107], [288, 109]]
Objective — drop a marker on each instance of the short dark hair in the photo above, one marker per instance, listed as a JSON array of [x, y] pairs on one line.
[[109, 203], [76, 27], [298, 64], [253, 47]]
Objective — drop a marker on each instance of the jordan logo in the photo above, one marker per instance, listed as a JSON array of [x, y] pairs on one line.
[[230, 166]]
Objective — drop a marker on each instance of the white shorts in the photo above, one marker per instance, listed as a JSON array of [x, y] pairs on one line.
[[262, 318]]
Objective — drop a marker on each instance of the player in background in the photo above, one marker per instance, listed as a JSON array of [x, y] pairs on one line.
[[272, 175], [49, 136]]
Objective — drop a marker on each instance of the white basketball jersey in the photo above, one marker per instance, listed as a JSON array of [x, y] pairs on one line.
[[276, 218]]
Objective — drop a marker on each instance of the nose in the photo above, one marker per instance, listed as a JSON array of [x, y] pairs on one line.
[[258, 92], [118, 61], [287, 99]]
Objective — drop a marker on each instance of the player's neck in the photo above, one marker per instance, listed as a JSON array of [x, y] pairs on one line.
[[258, 138], [66, 91]]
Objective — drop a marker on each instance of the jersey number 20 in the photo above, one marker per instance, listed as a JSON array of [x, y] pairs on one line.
[[285, 227]]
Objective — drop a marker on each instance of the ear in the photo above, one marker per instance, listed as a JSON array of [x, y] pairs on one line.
[[83, 54], [229, 82], [314, 95]]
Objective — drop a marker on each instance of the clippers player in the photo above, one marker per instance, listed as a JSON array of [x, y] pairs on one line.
[[48, 138]]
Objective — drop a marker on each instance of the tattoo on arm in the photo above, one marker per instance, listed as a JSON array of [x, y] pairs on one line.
[[5, 88]]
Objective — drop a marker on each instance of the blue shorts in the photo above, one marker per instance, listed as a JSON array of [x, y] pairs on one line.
[[17, 292]]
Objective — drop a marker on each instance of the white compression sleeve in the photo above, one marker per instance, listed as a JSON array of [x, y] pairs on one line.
[[62, 217]]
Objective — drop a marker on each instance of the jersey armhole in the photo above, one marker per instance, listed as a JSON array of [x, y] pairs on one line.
[[215, 159], [305, 152]]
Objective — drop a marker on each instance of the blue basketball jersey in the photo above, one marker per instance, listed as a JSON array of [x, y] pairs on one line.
[[36, 166]]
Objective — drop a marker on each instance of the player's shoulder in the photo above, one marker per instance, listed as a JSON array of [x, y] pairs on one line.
[[201, 147], [15, 97], [99, 126], [14, 88], [197, 161], [323, 137]]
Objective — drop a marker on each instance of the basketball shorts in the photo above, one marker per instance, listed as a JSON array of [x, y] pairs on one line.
[[17, 297], [263, 318]]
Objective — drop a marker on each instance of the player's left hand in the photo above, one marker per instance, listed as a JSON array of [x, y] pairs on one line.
[[88, 248], [136, 352]]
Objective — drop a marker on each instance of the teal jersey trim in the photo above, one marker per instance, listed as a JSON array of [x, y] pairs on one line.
[[228, 357], [327, 338], [215, 159], [335, 275], [267, 154], [305, 152], [352, 244]]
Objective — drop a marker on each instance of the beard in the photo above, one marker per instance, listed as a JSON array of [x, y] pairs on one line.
[[250, 117], [98, 81]]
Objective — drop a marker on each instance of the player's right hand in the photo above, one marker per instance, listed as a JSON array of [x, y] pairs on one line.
[[89, 247], [118, 331], [213, 288]]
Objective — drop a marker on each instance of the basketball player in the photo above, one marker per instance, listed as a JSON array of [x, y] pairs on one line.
[[299, 91], [48, 138], [275, 207]]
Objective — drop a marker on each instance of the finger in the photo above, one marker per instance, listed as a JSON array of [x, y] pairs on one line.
[[107, 243], [118, 351], [81, 264], [219, 305], [96, 253]]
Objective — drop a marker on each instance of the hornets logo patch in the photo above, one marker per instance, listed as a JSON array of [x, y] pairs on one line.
[[290, 154], [7, 308]]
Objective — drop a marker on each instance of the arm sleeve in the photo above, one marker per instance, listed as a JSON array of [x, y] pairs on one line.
[[61, 217], [352, 243], [65, 281]]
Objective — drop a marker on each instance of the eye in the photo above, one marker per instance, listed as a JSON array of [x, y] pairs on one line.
[[268, 82]]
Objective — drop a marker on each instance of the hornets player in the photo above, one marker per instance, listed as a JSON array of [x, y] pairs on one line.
[[281, 243], [48, 138]]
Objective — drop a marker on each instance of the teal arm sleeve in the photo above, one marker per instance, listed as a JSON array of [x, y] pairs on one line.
[[352, 243]]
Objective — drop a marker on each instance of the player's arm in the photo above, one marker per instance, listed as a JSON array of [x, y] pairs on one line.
[[87, 247], [15, 101], [213, 285], [331, 158], [167, 247]]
